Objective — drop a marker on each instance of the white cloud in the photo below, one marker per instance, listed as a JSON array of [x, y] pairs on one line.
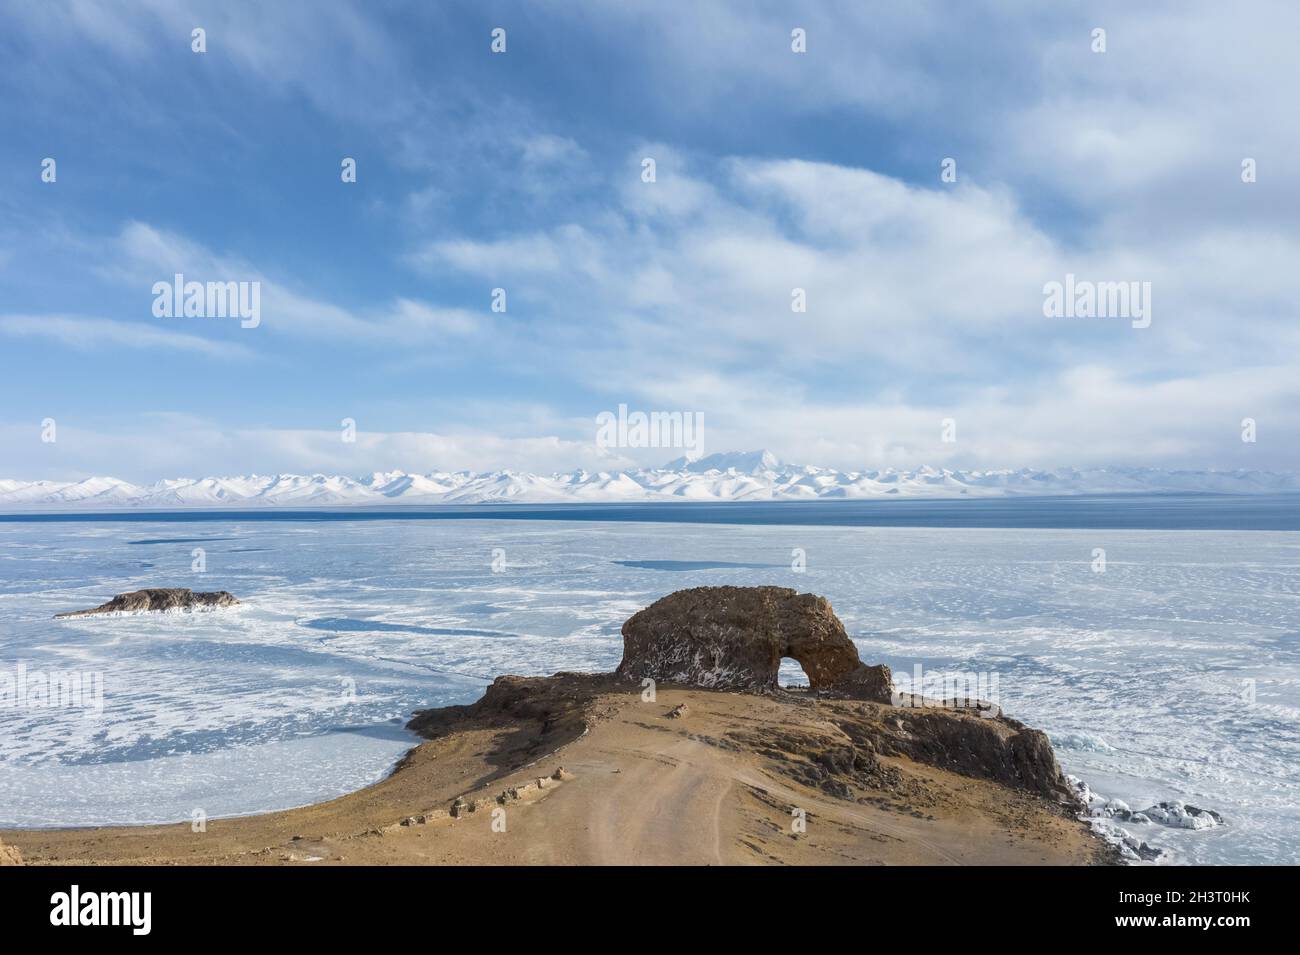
[[546, 149], [329, 55], [925, 302], [1086, 416], [85, 334], [142, 254], [179, 445]]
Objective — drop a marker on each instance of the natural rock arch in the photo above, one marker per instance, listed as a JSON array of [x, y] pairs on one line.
[[734, 638]]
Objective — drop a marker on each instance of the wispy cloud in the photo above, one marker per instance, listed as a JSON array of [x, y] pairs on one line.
[[92, 334], [167, 444], [775, 171], [142, 254]]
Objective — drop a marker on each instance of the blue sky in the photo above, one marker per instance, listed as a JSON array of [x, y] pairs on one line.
[[521, 170]]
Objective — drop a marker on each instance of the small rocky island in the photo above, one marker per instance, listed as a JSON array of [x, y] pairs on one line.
[[158, 600]]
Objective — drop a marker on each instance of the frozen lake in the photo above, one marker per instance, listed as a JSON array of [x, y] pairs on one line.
[[1175, 673]]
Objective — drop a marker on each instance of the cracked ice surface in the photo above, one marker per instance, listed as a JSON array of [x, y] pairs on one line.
[[1172, 677]]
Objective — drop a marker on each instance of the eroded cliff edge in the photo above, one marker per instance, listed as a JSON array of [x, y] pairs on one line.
[[843, 733]]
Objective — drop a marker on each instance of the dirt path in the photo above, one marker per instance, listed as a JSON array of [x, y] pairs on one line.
[[640, 787]]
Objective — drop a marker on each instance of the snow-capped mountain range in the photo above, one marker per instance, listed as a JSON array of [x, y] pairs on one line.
[[736, 476]]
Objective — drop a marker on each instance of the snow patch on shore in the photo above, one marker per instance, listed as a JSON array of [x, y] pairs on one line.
[[1103, 814]]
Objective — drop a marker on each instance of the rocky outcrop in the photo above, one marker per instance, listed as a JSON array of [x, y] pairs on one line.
[[840, 746], [850, 744], [734, 638], [996, 748], [158, 600], [546, 712]]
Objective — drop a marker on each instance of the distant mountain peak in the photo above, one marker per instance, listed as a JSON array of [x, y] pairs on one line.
[[727, 476], [743, 462]]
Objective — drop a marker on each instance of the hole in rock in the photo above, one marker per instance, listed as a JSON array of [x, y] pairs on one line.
[[791, 673]]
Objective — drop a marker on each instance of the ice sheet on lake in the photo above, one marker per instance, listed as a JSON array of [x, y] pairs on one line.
[[1172, 676]]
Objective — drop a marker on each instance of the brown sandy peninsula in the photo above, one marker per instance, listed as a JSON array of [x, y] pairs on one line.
[[669, 772]]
